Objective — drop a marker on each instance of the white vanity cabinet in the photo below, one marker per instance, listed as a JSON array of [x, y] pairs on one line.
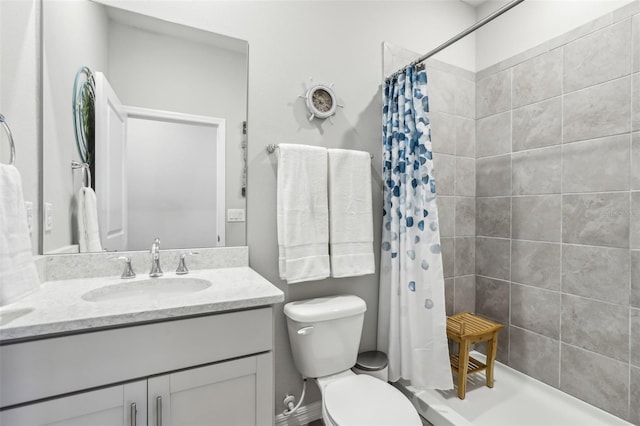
[[207, 370], [115, 405]]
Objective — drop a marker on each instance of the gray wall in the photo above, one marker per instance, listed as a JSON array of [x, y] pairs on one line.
[[558, 167]]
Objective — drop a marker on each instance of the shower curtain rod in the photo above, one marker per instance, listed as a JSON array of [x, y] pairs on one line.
[[461, 35]]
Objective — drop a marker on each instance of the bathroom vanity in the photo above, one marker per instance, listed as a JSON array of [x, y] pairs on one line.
[[198, 357]]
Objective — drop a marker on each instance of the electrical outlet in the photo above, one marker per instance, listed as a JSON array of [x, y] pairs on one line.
[[48, 216], [235, 215], [28, 206]]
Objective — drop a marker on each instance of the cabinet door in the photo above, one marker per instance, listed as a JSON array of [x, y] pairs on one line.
[[238, 392], [112, 406]]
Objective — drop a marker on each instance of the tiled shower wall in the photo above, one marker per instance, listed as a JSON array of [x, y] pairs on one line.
[[452, 105], [558, 210]]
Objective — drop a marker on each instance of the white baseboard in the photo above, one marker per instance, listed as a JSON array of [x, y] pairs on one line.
[[302, 416]]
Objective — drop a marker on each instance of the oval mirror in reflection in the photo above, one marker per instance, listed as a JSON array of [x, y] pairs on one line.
[[170, 108]]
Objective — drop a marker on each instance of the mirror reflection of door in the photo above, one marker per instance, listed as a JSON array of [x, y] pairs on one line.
[[111, 175]]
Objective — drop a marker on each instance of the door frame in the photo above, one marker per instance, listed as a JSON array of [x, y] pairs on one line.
[[220, 125]]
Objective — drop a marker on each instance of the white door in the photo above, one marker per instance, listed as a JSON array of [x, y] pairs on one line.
[[113, 406], [111, 181], [232, 393]]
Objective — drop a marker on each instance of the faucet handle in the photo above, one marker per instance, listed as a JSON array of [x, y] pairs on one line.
[[127, 272], [155, 247], [182, 265]]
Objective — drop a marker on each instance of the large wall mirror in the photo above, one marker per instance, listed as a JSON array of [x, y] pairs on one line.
[[170, 140]]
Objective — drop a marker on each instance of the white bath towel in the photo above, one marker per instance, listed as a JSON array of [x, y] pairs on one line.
[[303, 217], [88, 230], [18, 273], [350, 213]]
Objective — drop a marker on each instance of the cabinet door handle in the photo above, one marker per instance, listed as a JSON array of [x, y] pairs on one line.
[[159, 411], [134, 414]]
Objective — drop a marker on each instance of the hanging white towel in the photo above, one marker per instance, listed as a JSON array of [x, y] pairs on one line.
[[18, 273], [303, 219], [88, 230], [350, 213]]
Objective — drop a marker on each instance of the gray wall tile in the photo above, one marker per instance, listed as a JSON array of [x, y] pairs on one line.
[[536, 263], [492, 299], [596, 219], [465, 137], [535, 355], [636, 42], [493, 217], [443, 133], [492, 257], [634, 297], [598, 111], [444, 172], [465, 256], [598, 57], [581, 31], [446, 216], [635, 102], [537, 78], [493, 176], [635, 161], [465, 177], [493, 135], [465, 98], [596, 272], [625, 11], [493, 94], [536, 171], [465, 216], [595, 379], [536, 310], [465, 294], [449, 291], [596, 165], [448, 256], [635, 220], [597, 326], [635, 337], [442, 91], [536, 218], [635, 395], [537, 125]]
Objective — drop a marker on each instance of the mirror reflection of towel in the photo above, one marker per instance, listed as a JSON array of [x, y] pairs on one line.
[[88, 229], [18, 273]]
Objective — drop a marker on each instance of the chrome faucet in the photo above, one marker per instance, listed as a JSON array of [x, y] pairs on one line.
[[156, 270]]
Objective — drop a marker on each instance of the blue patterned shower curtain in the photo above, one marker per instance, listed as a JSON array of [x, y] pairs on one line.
[[412, 316]]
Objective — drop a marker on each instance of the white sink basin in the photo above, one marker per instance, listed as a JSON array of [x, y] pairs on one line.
[[149, 289], [12, 314]]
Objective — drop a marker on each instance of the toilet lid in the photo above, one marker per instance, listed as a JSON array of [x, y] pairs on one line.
[[364, 400]]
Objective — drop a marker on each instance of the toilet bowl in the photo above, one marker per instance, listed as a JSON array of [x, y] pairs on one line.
[[325, 336]]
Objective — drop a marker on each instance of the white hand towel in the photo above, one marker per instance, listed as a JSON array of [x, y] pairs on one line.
[[303, 217], [350, 213], [18, 273], [88, 230]]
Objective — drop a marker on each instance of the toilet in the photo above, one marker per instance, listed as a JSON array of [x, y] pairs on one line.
[[325, 336]]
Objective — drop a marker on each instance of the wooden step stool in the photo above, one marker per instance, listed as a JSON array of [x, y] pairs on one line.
[[467, 329]]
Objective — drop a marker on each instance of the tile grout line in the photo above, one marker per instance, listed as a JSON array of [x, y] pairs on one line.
[[562, 224]]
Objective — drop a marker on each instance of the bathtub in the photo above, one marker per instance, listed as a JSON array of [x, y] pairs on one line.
[[515, 400]]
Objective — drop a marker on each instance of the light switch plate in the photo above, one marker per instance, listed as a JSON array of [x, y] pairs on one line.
[[235, 215], [28, 206], [48, 216]]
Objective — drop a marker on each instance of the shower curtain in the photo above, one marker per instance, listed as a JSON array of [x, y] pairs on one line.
[[412, 317]]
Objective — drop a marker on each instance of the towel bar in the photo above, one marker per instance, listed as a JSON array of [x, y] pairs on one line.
[[12, 146], [271, 148]]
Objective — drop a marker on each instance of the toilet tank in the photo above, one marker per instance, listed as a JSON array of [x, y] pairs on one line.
[[325, 333]]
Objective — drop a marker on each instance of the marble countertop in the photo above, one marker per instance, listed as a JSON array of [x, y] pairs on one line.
[[58, 307]]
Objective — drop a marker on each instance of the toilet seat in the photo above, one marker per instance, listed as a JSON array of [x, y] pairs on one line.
[[364, 400]]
